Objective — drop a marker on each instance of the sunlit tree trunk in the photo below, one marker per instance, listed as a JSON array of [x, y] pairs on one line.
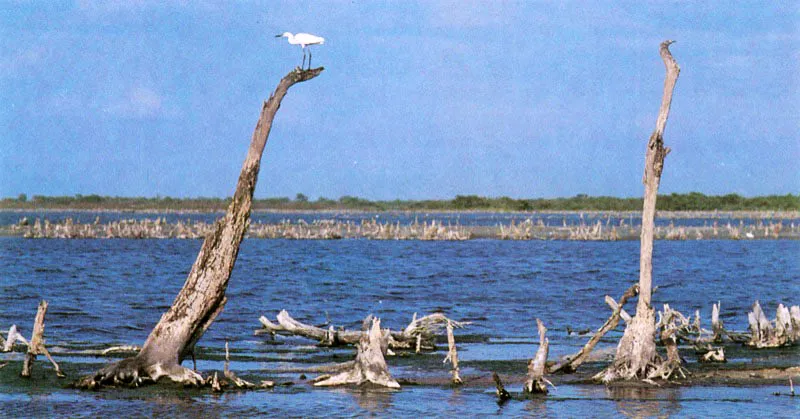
[[202, 297], [637, 348]]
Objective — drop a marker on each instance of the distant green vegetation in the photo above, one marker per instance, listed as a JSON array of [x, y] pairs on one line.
[[675, 202]]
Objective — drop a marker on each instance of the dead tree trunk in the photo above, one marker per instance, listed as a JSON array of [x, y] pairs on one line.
[[637, 348], [202, 297]]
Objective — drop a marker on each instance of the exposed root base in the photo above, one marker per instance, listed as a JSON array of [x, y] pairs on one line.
[[133, 372], [370, 366], [636, 353]]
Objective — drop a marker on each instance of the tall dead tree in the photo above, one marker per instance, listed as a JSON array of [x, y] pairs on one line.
[[202, 297], [637, 348]]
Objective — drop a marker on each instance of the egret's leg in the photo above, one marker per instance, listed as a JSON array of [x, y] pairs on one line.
[[309, 58], [304, 59]]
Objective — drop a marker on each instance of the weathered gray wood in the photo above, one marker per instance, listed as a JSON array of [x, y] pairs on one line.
[[13, 337], [535, 382], [420, 331], [202, 297], [370, 365], [637, 348], [763, 335], [571, 363], [452, 354], [36, 345], [327, 337], [714, 355], [717, 327], [670, 323]]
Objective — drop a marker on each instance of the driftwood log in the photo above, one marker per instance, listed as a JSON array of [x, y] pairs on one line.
[[36, 345], [370, 364], [571, 363], [202, 297], [420, 332], [637, 348]]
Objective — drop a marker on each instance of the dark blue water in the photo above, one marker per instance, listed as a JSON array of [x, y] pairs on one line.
[[104, 292]]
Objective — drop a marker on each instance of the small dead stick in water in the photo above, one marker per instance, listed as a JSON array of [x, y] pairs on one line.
[[502, 394]]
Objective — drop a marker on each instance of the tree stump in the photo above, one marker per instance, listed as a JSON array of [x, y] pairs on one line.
[[370, 365]]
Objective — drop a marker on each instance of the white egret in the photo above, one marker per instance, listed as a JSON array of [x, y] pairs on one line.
[[304, 40]]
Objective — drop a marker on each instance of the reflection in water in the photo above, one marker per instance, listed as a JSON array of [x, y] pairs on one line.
[[456, 399], [372, 399], [537, 406], [641, 402]]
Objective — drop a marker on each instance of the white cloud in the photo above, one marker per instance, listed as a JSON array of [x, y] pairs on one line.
[[138, 102], [22, 61]]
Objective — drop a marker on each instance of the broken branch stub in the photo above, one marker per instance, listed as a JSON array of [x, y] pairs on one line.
[[536, 366], [370, 364], [12, 337], [500, 390], [202, 297], [452, 354], [763, 335], [36, 345]]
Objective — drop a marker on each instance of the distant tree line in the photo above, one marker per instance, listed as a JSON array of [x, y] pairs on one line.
[[693, 201]]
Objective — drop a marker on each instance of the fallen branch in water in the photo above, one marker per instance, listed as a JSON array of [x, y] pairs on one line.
[[420, 332], [571, 363]]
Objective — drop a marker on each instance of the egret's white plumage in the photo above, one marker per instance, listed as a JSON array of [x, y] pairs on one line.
[[304, 40]]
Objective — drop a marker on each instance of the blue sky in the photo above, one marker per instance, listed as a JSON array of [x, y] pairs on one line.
[[418, 100]]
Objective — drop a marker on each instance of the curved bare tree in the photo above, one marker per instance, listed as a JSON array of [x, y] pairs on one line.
[[202, 297]]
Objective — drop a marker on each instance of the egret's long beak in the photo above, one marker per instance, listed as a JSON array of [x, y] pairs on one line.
[[278, 36]]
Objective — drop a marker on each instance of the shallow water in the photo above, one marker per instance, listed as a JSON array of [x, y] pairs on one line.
[[104, 292]]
